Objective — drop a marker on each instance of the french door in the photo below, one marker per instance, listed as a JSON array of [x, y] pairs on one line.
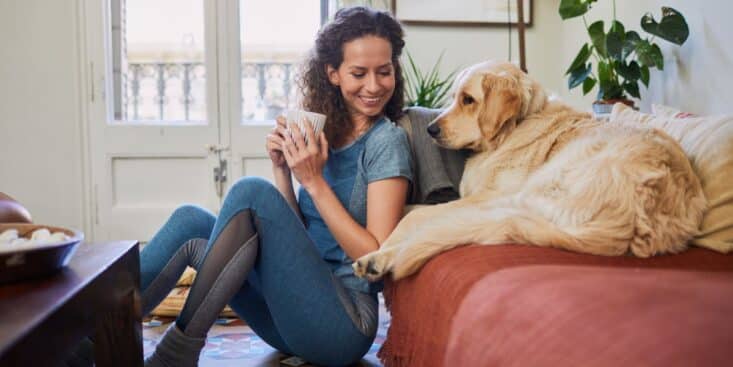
[[181, 96]]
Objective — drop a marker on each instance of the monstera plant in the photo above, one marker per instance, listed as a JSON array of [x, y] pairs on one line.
[[622, 57]]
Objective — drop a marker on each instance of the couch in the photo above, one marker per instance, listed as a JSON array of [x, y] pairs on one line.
[[516, 305]]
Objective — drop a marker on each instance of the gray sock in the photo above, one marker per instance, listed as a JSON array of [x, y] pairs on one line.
[[176, 350]]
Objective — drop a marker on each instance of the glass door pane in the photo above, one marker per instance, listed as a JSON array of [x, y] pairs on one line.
[[159, 62], [275, 36]]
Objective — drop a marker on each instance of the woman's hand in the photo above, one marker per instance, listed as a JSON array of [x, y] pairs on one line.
[[275, 143], [305, 161]]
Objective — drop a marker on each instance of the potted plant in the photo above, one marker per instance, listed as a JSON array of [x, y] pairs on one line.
[[426, 90], [622, 57]]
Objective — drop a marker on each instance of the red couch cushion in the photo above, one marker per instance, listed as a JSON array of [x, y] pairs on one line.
[[423, 306], [594, 316]]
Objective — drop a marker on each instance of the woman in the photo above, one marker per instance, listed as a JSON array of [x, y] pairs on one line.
[[284, 265]]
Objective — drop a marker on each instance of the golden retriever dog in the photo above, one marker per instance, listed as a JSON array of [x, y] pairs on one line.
[[546, 175]]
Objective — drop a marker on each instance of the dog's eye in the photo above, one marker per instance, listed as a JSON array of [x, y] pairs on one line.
[[467, 100]]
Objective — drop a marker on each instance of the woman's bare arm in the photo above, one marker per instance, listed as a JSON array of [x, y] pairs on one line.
[[385, 203]]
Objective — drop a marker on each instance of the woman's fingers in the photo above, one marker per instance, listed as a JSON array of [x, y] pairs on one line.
[[324, 145], [288, 153], [312, 147], [297, 137], [280, 121], [281, 131], [274, 142]]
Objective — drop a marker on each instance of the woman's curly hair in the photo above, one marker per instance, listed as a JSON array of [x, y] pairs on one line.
[[319, 95]]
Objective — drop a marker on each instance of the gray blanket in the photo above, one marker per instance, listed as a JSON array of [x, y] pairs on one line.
[[437, 170]]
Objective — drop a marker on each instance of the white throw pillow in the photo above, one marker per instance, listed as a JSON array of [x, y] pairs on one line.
[[708, 143], [660, 110]]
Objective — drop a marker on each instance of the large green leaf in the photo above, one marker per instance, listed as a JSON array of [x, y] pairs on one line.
[[672, 27], [574, 8], [657, 56], [644, 53], [588, 84], [579, 75], [608, 84], [644, 70], [615, 40], [617, 27], [611, 91], [598, 37], [629, 71], [604, 73], [580, 59], [632, 88], [631, 40]]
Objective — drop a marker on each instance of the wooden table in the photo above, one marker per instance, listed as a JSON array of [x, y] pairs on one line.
[[98, 294]]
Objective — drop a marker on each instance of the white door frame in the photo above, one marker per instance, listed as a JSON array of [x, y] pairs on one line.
[[109, 143]]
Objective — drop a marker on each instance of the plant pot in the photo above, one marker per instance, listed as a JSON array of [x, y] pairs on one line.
[[602, 108]]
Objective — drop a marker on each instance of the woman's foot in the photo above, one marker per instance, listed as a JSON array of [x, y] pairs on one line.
[[176, 349]]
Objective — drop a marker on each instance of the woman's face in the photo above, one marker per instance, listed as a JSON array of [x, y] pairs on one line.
[[366, 76]]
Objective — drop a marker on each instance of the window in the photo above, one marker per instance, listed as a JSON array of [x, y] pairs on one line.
[[160, 58], [273, 44], [159, 71]]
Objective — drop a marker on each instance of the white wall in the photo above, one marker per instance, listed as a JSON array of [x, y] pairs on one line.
[[40, 135], [698, 77], [40, 122], [465, 46]]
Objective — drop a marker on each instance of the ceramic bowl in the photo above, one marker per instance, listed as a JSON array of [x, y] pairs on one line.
[[30, 262]]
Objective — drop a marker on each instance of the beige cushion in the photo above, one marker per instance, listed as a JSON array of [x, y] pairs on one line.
[[173, 304], [187, 277], [659, 110], [708, 142]]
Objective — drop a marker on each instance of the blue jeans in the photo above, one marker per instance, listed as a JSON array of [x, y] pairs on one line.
[[290, 298]]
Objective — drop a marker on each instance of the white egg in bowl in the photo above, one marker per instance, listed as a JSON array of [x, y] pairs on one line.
[[30, 251]]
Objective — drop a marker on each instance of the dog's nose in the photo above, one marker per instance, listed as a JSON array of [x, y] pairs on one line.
[[433, 130]]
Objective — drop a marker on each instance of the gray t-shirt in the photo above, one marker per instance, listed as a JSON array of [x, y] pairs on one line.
[[382, 152]]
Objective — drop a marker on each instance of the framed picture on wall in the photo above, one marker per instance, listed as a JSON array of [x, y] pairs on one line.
[[464, 12], [335, 5]]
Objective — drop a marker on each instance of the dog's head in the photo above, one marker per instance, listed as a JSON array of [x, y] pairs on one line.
[[490, 99]]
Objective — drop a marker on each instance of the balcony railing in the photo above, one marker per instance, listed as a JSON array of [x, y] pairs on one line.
[[177, 91]]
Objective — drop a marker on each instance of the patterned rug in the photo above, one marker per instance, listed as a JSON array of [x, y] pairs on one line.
[[232, 343]]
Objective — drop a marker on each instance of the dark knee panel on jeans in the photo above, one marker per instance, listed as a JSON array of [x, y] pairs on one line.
[[191, 253], [226, 265]]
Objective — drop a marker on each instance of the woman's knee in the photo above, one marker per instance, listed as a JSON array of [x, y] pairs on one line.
[[248, 191], [193, 216]]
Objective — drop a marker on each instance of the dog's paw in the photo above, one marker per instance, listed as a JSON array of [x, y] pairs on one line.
[[371, 267]]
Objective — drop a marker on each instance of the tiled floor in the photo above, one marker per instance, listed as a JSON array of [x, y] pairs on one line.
[[232, 343]]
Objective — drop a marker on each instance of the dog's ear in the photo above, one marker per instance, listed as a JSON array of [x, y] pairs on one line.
[[534, 96], [503, 97]]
